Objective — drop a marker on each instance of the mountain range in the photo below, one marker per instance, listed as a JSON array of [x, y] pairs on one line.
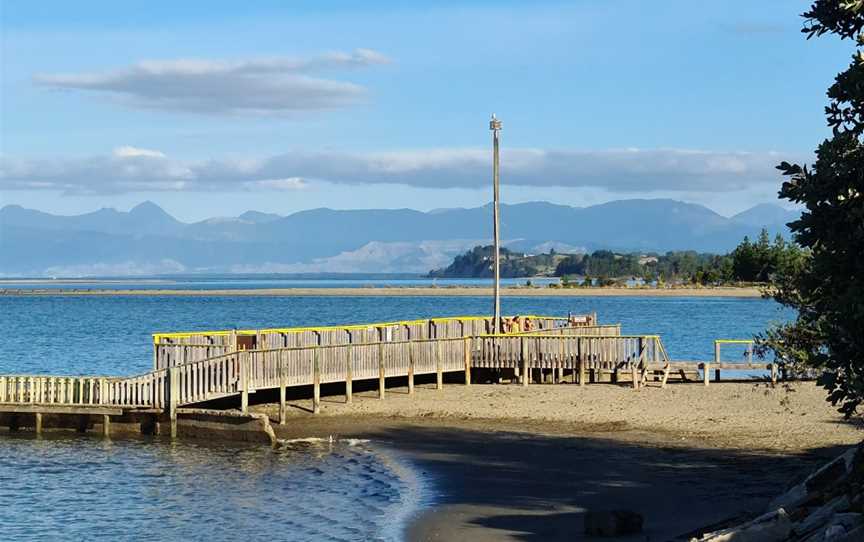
[[147, 240]]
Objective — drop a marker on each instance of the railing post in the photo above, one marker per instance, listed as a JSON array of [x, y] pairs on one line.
[[581, 356], [523, 355], [467, 344], [561, 361], [283, 385], [103, 391], [316, 380], [173, 393], [439, 372], [243, 358], [410, 368], [381, 373], [717, 360], [349, 375]]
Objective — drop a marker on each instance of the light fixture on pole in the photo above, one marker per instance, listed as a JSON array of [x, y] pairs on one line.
[[495, 126]]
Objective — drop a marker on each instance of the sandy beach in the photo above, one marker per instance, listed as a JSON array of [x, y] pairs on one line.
[[510, 463], [420, 291]]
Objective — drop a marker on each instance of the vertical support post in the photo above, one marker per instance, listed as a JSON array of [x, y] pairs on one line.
[[316, 381], [244, 381], [349, 374], [467, 343], [439, 372], [773, 374], [155, 354], [410, 368], [706, 370], [579, 353], [232, 341], [103, 391], [173, 393], [38, 423], [561, 361], [283, 389], [106, 426], [523, 354], [381, 373], [717, 360]]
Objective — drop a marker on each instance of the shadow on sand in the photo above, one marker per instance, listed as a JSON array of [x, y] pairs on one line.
[[537, 487]]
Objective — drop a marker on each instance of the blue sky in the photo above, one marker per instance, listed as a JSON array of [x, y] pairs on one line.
[[210, 108]]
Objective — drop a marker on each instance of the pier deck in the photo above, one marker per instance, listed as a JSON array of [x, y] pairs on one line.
[[194, 368]]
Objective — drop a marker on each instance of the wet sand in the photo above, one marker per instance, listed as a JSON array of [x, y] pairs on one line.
[[420, 291], [510, 463]]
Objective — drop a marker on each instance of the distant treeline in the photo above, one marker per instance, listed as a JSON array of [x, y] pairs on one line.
[[750, 262]]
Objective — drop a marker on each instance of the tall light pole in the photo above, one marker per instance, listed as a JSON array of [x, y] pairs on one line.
[[495, 126]]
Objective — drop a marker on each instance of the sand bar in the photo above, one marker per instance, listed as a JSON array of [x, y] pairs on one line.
[[422, 291], [510, 463]]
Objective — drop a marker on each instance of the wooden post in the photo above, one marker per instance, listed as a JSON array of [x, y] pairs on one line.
[[283, 390], [381, 373], [717, 361], [244, 382], [173, 392], [316, 381], [523, 354], [639, 366], [706, 371], [561, 361], [581, 356], [106, 426], [349, 375], [38, 423], [410, 368], [439, 371], [773, 374], [467, 343]]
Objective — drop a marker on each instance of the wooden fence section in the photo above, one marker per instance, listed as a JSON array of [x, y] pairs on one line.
[[170, 349], [243, 372], [246, 371]]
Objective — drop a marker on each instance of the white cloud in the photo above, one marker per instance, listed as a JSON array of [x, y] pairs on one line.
[[127, 152], [276, 85], [616, 171], [293, 183]]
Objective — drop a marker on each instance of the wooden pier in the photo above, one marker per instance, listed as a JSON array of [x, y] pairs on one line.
[[194, 368]]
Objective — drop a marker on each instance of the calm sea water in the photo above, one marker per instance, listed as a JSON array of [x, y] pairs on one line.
[[80, 488], [86, 488]]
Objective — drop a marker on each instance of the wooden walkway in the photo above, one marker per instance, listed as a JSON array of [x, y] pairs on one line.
[[188, 371]]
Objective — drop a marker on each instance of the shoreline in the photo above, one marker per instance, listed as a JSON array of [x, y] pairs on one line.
[[503, 463], [422, 291]]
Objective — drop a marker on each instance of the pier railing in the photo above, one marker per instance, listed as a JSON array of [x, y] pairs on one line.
[[170, 349], [245, 371]]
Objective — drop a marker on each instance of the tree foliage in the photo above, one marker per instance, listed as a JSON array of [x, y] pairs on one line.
[[827, 289]]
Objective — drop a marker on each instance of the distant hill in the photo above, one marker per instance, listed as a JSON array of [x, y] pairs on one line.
[[149, 240]]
